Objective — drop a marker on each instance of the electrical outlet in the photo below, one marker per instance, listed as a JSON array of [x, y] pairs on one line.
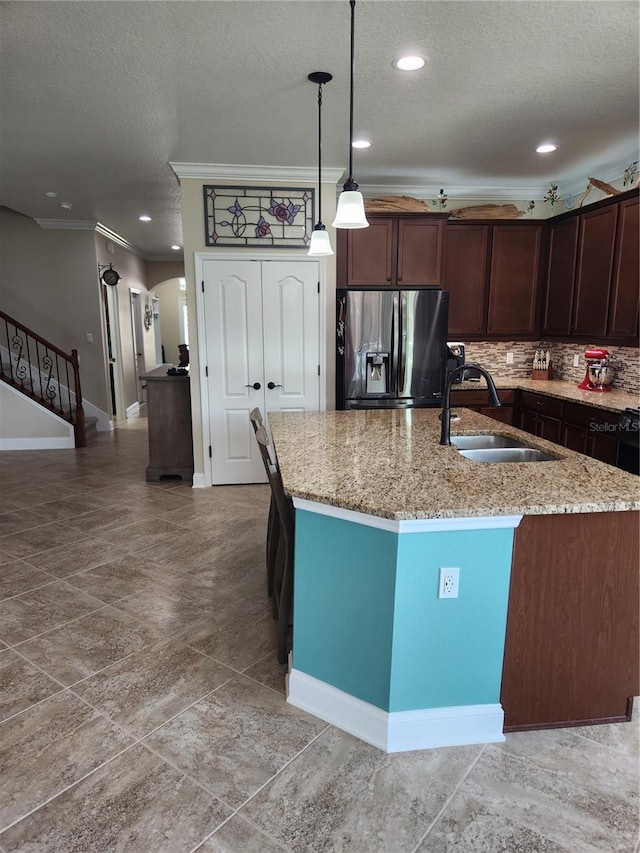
[[448, 586], [89, 338], [576, 361], [509, 358]]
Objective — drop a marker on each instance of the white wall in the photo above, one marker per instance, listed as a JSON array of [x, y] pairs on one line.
[[169, 294], [26, 425]]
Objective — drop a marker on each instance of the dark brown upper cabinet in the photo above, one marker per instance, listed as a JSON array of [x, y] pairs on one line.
[[393, 251], [594, 271], [513, 282], [623, 308], [563, 245], [466, 277]]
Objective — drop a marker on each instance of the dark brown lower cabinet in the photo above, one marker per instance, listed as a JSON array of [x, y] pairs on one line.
[[584, 429], [477, 401], [571, 652]]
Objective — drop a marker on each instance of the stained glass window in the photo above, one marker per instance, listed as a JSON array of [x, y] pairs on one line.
[[278, 217]]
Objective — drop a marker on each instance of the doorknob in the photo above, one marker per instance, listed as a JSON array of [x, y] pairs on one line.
[[272, 385], [256, 386]]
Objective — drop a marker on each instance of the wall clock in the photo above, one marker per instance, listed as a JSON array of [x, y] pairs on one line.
[[110, 276]]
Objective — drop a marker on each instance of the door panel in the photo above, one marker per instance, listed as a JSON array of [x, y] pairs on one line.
[[233, 331], [291, 319]]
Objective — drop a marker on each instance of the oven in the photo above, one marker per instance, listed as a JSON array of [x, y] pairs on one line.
[[628, 457]]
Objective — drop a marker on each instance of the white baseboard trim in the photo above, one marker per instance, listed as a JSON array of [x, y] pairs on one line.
[[103, 422], [398, 731], [133, 409], [57, 443], [198, 482]]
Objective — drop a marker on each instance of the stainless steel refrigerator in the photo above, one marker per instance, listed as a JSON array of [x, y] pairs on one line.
[[391, 348]]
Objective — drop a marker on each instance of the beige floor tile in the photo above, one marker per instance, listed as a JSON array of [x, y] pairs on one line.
[[166, 611], [71, 506], [240, 836], [134, 804], [145, 690], [42, 609], [235, 740], [21, 684], [84, 646], [538, 803], [49, 747], [269, 672], [19, 520], [128, 575], [144, 534], [38, 539], [78, 556], [108, 519], [344, 795], [20, 577]]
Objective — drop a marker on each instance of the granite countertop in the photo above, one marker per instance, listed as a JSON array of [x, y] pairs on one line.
[[390, 464], [611, 401]]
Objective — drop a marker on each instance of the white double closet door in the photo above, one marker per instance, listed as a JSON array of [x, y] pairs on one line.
[[262, 331]]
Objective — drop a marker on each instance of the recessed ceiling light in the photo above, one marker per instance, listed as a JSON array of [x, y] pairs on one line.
[[361, 143], [51, 195], [409, 63], [144, 218], [65, 205], [176, 248], [546, 148]]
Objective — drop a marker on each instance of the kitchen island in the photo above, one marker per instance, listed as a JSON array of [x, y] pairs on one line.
[[544, 631]]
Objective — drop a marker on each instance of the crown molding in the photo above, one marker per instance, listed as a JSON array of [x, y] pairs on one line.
[[67, 224], [125, 244], [236, 172]]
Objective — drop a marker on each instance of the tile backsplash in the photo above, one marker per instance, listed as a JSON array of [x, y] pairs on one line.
[[493, 356]]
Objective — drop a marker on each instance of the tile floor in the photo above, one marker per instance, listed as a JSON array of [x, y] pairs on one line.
[[143, 709]]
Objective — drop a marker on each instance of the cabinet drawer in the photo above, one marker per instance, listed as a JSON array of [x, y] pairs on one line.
[[584, 416], [480, 397], [538, 403]]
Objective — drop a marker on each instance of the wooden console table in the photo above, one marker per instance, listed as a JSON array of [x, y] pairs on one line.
[[170, 437]]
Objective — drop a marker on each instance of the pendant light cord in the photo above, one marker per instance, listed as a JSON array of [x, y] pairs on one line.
[[352, 3], [320, 155]]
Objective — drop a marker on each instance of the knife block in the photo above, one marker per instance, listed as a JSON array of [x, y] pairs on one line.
[[541, 374]]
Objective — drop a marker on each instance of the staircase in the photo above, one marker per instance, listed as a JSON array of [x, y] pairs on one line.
[[44, 373]]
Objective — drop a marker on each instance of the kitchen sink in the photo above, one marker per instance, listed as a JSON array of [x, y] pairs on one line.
[[484, 442], [507, 454]]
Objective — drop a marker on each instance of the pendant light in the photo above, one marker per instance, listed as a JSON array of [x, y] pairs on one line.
[[320, 243], [350, 212]]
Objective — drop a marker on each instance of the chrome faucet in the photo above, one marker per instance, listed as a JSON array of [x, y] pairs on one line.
[[445, 416]]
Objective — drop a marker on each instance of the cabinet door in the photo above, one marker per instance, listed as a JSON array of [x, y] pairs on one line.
[[466, 278], [549, 428], [528, 421], [419, 252], [563, 243], [504, 414], [575, 438], [593, 278], [514, 278], [623, 312], [369, 255], [604, 447]]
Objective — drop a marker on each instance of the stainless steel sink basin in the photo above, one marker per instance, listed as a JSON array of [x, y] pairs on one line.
[[507, 454], [482, 442]]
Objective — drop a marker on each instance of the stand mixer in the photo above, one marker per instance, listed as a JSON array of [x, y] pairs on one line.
[[600, 372]]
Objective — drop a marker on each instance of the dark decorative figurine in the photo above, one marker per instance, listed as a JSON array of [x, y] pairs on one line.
[[184, 355]]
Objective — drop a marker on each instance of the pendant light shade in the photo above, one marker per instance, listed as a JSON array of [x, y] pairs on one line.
[[350, 212], [320, 243]]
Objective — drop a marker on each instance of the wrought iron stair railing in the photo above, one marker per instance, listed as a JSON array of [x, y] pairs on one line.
[[43, 372]]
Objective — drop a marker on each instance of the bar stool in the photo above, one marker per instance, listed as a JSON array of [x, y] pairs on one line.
[[273, 531], [283, 572]]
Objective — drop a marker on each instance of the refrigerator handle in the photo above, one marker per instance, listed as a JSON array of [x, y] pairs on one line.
[[402, 342], [395, 344]]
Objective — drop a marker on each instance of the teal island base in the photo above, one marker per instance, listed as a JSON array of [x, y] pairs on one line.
[[377, 651]]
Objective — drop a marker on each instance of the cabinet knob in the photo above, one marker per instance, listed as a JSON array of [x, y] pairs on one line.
[[256, 386], [399, 278], [388, 278], [272, 385]]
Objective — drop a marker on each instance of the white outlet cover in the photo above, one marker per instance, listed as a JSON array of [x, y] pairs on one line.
[[509, 358], [448, 582], [576, 361]]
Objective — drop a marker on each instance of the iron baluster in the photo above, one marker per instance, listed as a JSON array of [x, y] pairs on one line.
[[6, 329], [71, 418], [17, 343]]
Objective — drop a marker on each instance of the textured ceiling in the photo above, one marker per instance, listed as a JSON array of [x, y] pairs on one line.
[[96, 98]]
